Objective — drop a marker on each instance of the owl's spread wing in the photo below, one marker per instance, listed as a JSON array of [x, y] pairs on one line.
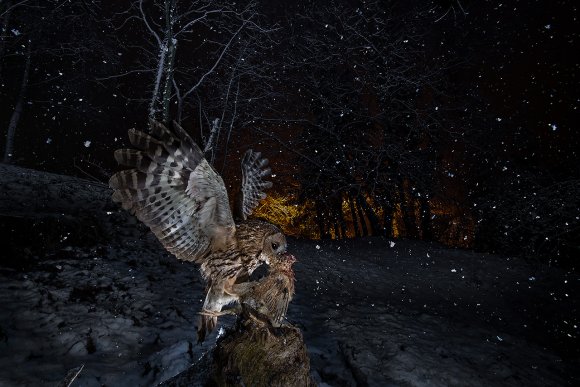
[[254, 172], [174, 191]]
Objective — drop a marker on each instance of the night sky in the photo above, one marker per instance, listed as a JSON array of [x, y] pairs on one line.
[[515, 57], [499, 108]]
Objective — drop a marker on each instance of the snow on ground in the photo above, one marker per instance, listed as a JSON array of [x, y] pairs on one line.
[[420, 314], [81, 282]]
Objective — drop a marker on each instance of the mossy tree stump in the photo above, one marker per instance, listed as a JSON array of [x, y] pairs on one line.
[[254, 353]]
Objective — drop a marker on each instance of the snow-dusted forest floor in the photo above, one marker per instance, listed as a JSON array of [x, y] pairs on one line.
[[81, 282]]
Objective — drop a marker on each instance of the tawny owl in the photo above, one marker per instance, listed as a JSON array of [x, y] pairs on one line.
[[175, 191]]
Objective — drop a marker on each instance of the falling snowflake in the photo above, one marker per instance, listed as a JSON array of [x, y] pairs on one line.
[[392, 244], [87, 144]]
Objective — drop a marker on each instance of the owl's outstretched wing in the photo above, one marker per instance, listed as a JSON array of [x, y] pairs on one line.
[[174, 191], [254, 172]]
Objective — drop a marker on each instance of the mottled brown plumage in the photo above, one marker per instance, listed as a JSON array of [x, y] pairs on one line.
[[175, 191], [270, 296]]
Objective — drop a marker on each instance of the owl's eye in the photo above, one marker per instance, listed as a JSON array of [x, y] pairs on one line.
[[274, 246]]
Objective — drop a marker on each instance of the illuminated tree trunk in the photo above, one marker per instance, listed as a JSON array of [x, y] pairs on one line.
[[357, 232], [18, 108]]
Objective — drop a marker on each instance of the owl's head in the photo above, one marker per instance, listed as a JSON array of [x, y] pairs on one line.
[[261, 242], [274, 246]]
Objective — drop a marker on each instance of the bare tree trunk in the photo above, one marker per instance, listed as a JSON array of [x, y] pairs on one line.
[[232, 120], [426, 229], [320, 221], [373, 220], [357, 233], [18, 108], [157, 84], [168, 80], [388, 218], [361, 216], [209, 146], [408, 216], [341, 220], [171, 48], [4, 32]]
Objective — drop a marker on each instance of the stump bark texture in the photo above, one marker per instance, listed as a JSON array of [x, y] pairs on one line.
[[254, 353]]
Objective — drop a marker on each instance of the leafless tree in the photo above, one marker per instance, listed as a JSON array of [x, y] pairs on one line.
[[28, 47], [360, 74], [190, 44]]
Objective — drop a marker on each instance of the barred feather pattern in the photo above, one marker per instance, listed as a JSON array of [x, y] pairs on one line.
[[173, 190], [254, 172]]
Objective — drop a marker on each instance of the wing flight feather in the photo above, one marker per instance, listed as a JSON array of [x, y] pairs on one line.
[[255, 171], [174, 191]]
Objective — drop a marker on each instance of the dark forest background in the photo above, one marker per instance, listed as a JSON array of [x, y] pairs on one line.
[[452, 121]]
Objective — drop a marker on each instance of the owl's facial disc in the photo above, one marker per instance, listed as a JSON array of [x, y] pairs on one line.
[[274, 245]]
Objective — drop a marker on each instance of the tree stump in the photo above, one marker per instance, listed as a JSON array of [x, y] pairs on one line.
[[254, 353]]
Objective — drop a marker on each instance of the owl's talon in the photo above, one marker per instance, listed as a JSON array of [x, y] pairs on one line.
[[211, 313]]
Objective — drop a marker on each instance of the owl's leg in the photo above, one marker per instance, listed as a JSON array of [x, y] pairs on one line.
[[215, 300], [207, 323]]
